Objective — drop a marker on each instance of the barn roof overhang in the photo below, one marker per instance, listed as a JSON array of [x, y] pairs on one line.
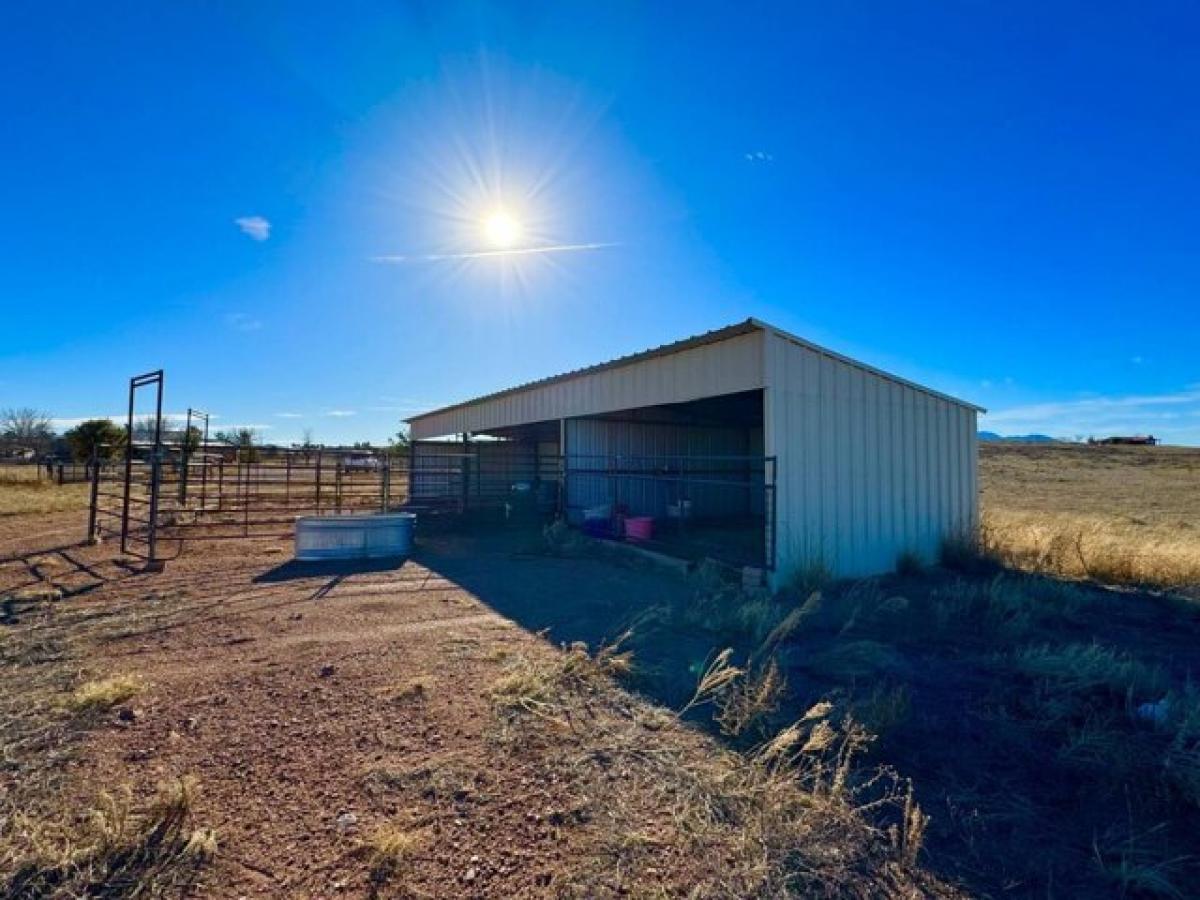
[[727, 333]]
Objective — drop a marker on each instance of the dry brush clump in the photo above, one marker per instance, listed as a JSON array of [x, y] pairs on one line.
[[116, 850], [672, 813]]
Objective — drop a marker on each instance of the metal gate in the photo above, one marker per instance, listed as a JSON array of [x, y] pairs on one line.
[[166, 492]]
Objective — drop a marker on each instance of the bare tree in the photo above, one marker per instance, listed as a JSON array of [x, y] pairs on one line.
[[144, 428], [244, 439], [27, 427]]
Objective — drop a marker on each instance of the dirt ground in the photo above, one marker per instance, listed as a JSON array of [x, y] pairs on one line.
[[319, 706], [326, 710], [284, 687]]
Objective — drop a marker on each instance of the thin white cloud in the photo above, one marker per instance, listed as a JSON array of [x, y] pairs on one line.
[[341, 413], [760, 156], [255, 227], [1166, 413], [288, 415], [240, 321], [485, 254]]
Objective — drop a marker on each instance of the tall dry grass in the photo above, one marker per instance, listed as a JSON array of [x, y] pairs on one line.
[[1108, 549], [25, 497], [1119, 515], [794, 816]]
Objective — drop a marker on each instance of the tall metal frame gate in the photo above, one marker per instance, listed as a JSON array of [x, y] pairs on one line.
[[170, 489]]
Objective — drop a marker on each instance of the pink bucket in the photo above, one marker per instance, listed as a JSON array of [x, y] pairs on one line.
[[639, 528]]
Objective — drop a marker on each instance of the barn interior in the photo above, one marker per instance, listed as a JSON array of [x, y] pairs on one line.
[[686, 479]]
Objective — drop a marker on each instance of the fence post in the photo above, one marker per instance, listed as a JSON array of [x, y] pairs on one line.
[[318, 482], [408, 487], [386, 482], [95, 497]]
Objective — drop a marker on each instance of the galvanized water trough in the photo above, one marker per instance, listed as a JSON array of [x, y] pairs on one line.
[[354, 537]]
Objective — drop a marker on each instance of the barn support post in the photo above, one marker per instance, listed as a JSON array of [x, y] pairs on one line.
[[564, 471], [466, 470]]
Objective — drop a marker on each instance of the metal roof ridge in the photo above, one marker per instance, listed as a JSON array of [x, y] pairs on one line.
[[714, 335], [866, 367]]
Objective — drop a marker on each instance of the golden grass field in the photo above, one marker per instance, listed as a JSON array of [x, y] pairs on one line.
[[1119, 515], [22, 495]]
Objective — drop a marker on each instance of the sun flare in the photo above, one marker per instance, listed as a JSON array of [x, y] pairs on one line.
[[501, 229]]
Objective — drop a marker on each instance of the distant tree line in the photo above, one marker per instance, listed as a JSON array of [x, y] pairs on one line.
[[25, 431]]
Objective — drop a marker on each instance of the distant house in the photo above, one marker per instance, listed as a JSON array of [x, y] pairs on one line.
[[1129, 440]]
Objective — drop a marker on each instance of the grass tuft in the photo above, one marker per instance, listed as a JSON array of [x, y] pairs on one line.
[[104, 694], [116, 850], [389, 849]]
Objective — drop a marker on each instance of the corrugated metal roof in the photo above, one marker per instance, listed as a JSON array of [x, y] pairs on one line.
[[699, 340]]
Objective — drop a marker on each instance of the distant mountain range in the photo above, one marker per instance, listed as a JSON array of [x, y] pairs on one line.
[[1017, 438]]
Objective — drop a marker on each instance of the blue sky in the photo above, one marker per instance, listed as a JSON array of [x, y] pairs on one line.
[[278, 205]]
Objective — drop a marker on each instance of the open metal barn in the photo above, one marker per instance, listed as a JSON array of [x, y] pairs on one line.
[[745, 444]]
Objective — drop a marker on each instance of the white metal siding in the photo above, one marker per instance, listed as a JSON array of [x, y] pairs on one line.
[[594, 443], [725, 367], [868, 467]]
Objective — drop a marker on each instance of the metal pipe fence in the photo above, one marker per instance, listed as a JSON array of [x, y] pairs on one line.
[[166, 495]]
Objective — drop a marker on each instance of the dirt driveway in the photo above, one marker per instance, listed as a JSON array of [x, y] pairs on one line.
[[317, 702]]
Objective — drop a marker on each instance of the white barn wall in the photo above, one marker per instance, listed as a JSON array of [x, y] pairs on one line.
[[591, 440], [868, 467], [724, 367]]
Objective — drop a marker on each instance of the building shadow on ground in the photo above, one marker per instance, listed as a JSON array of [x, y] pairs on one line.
[[595, 600], [327, 568]]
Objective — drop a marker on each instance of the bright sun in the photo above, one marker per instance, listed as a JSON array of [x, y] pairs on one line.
[[501, 229]]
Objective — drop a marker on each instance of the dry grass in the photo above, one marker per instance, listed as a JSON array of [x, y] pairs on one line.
[[1118, 515], [22, 473], [389, 849], [50, 845], [104, 694], [29, 497], [1108, 549], [794, 817], [114, 850]]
